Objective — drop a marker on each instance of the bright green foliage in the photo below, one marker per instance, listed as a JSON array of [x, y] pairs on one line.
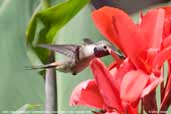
[[52, 19]]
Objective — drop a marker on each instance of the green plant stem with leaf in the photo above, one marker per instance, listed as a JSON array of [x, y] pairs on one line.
[[42, 28], [50, 88], [50, 79]]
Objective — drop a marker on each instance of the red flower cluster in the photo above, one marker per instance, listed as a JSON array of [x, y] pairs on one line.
[[117, 89]]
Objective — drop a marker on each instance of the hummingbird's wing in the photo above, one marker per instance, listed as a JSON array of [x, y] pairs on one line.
[[88, 41], [68, 50]]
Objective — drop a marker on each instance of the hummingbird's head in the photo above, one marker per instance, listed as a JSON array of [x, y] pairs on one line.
[[101, 48]]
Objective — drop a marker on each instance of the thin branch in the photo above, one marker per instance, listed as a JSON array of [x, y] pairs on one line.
[[50, 89]]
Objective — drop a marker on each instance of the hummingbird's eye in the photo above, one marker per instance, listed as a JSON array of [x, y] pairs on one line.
[[105, 47]]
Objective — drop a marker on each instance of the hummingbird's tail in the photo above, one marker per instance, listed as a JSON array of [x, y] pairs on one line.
[[51, 65]]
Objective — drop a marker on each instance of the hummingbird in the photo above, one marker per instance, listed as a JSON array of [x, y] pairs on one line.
[[79, 56]]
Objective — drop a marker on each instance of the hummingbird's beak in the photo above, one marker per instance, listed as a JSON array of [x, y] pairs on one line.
[[115, 53]]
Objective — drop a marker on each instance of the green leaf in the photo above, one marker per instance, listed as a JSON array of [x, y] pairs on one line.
[[49, 22]]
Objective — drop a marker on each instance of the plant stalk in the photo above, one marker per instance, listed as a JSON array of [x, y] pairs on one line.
[[50, 78], [51, 89]]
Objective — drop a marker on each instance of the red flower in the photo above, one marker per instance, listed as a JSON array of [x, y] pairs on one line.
[[102, 92], [146, 47], [142, 44]]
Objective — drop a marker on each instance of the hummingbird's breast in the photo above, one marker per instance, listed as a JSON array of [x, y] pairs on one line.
[[85, 55], [86, 51]]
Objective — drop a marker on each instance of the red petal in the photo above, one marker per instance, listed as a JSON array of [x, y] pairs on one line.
[[152, 25], [113, 65], [161, 57], [151, 53], [130, 37], [132, 85], [167, 22], [166, 42], [103, 21], [87, 93], [133, 109], [152, 83], [104, 82], [119, 73]]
